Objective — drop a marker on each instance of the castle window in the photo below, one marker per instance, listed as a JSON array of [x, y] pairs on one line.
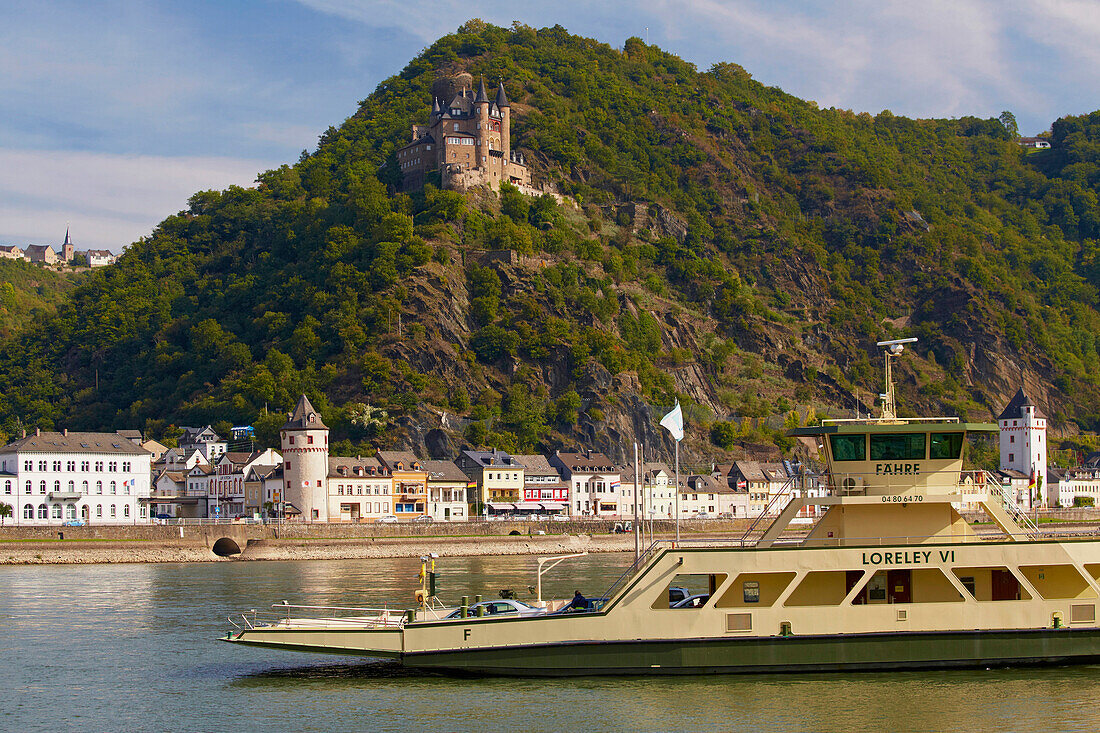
[[309, 439], [456, 127]]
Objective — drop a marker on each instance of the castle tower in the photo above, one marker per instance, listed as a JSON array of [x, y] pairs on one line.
[[304, 443], [505, 126], [481, 109], [1024, 443], [68, 251]]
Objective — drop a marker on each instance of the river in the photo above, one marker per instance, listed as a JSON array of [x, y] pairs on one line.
[[133, 648]]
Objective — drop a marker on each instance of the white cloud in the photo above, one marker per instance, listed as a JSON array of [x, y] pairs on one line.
[[110, 200]]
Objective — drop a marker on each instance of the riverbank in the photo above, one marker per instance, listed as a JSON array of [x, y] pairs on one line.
[[76, 552]]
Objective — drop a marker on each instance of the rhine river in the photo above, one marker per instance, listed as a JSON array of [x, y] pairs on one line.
[[133, 648]]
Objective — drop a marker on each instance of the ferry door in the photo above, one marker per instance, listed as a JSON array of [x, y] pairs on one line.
[[898, 586], [1005, 587], [851, 577]]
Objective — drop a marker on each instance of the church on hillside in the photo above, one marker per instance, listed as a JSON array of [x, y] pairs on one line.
[[467, 139]]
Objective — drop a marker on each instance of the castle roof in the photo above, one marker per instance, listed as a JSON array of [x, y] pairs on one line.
[[435, 105], [304, 417], [481, 95], [1016, 406], [502, 98]]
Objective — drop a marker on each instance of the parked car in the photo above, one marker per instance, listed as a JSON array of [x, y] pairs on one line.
[[696, 601], [502, 607], [677, 594], [424, 518], [74, 523], [388, 519]]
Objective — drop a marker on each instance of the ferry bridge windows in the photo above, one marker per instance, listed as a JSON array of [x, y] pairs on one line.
[[991, 584], [1057, 581], [849, 447], [820, 588], [907, 585], [686, 585], [945, 446], [755, 589], [897, 447]]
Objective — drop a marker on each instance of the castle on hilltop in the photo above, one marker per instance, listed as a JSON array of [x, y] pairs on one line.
[[467, 139]]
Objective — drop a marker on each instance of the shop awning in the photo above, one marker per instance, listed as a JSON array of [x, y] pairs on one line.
[[552, 506], [528, 506], [499, 507]]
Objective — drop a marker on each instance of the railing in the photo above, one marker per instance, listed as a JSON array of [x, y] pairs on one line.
[[282, 615], [784, 491], [1018, 515]]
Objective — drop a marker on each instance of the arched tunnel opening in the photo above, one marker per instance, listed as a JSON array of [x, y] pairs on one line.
[[226, 547]]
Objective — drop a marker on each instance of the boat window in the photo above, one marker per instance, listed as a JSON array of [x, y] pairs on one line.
[[849, 447], [820, 588], [755, 589], [907, 585], [945, 445], [692, 590], [991, 584], [897, 447], [1057, 581]]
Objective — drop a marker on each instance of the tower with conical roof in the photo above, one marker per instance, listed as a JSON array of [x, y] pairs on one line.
[[304, 443], [505, 122], [68, 251], [481, 109], [1023, 443]]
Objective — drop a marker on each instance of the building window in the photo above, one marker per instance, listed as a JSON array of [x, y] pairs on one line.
[[72, 487], [112, 466], [113, 489], [28, 511], [113, 511], [70, 466], [41, 465], [42, 487], [309, 439], [126, 511], [1012, 439], [57, 465], [99, 511], [70, 511], [99, 466], [28, 465], [85, 466], [7, 487], [43, 511], [1011, 457], [55, 511], [99, 487], [57, 487], [291, 441], [126, 466]]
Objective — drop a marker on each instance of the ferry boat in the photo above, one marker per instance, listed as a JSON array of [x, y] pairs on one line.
[[891, 577]]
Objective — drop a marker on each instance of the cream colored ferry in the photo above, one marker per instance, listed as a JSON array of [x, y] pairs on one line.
[[891, 577]]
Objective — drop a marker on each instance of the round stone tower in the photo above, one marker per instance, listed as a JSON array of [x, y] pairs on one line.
[[304, 443]]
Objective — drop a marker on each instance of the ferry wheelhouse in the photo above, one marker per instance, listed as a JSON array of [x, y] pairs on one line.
[[891, 577]]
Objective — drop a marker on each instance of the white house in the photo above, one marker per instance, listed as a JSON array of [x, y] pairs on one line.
[[594, 484], [359, 489], [204, 440], [447, 485], [53, 478]]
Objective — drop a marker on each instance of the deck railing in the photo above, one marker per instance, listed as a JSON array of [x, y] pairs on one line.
[[287, 614]]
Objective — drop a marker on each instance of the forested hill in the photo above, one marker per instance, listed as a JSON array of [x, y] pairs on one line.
[[717, 241]]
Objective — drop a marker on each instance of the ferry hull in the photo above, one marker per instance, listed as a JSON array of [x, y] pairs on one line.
[[864, 652]]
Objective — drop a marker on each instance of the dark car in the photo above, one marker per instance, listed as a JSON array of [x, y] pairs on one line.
[[677, 594]]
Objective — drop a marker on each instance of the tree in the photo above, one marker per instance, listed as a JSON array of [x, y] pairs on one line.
[[5, 511], [1009, 121]]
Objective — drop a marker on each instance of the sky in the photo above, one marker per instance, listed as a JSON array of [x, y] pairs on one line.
[[113, 113]]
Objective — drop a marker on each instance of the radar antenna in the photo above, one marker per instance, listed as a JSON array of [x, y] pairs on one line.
[[892, 348]]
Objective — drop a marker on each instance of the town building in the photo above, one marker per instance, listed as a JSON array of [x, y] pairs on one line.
[[359, 489], [447, 486], [410, 483], [100, 258], [11, 252], [41, 253], [467, 140], [227, 485], [594, 483], [203, 440], [263, 490], [169, 498], [1023, 447], [544, 492], [499, 478], [95, 478]]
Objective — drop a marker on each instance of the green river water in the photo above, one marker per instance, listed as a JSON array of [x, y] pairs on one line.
[[133, 648]]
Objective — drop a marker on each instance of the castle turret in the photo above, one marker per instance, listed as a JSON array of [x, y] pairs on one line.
[[481, 109], [505, 125], [1024, 444], [304, 443]]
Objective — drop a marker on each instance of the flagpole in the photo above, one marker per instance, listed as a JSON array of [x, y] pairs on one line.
[[637, 539], [677, 492]]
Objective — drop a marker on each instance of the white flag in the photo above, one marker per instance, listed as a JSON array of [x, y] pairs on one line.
[[673, 422]]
